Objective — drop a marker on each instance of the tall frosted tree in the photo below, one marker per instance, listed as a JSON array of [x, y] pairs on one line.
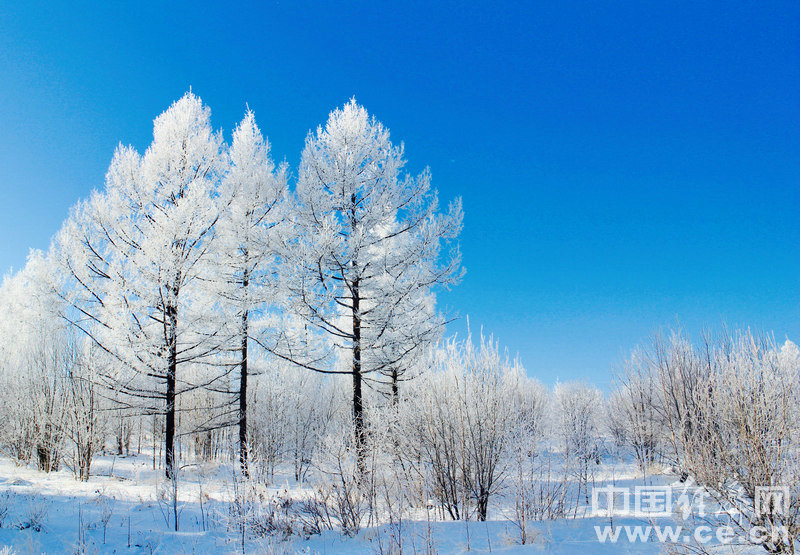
[[368, 253], [251, 199], [135, 255]]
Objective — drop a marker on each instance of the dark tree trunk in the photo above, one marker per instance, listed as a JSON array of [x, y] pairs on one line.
[[483, 505], [243, 440], [358, 404], [47, 450], [395, 387], [172, 364]]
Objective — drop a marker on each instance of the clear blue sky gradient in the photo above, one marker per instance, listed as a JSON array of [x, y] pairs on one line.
[[623, 165]]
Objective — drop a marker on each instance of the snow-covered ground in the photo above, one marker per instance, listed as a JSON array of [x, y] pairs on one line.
[[124, 508]]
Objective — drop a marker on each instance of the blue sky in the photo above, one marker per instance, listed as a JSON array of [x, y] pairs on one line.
[[624, 166]]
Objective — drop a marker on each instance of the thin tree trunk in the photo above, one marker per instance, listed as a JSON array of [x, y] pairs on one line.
[[358, 404], [243, 396], [172, 363], [154, 441]]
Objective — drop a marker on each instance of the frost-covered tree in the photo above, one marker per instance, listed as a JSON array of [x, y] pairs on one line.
[[728, 407], [36, 356], [679, 369], [578, 408], [460, 421], [251, 198], [83, 405], [748, 437], [17, 435], [291, 409], [368, 253], [134, 256], [635, 409]]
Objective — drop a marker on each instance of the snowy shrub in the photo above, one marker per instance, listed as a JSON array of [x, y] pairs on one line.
[[105, 506], [255, 512], [730, 409], [34, 513], [635, 415], [748, 438], [534, 488], [344, 490], [168, 502], [458, 423], [148, 542], [313, 513], [578, 408], [291, 410]]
